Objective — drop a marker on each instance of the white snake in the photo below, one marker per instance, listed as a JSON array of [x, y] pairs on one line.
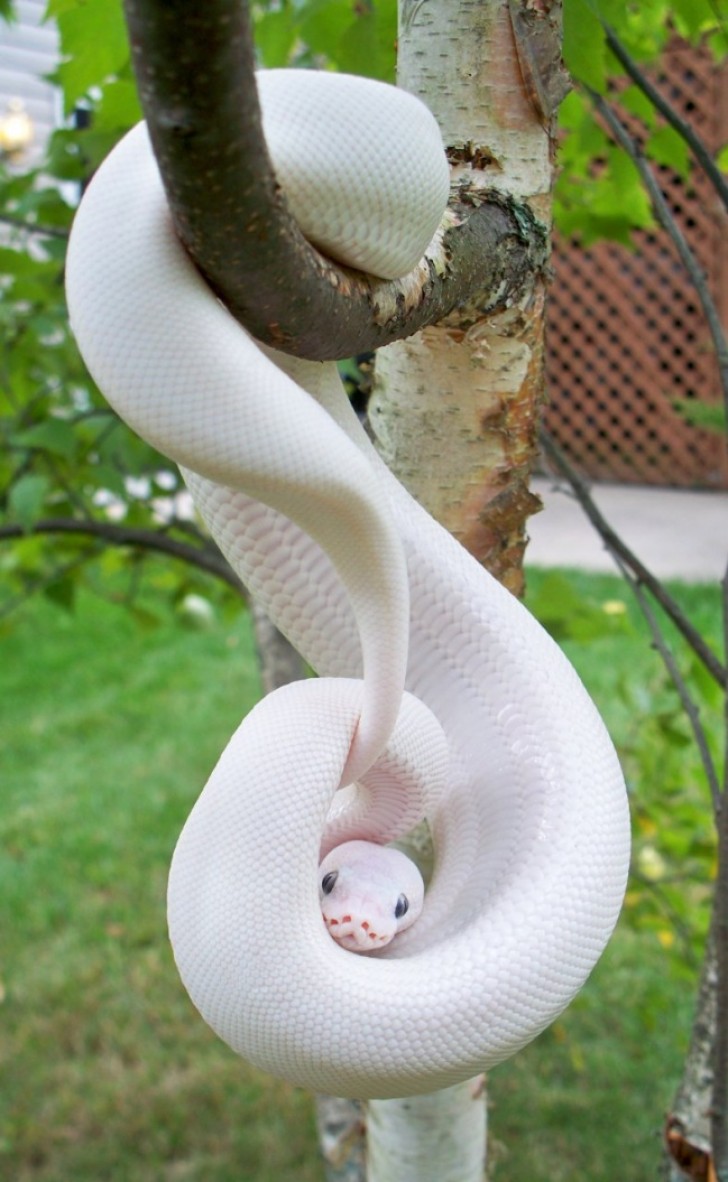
[[496, 742]]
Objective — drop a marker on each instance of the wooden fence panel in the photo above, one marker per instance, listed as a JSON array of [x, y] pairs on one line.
[[627, 340]]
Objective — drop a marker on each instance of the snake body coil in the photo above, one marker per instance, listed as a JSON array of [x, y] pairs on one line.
[[496, 740]]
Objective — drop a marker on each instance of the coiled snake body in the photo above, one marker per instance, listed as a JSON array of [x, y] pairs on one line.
[[496, 741]]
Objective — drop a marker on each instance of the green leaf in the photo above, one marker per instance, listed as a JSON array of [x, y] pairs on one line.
[[567, 615], [637, 103], [584, 47], [26, 498], [718, 44], [94, 45], [323, 23], [693, 17], [368, 45], [62, 592], [708, 415], [17, 262], [666, 147], [275, 36], [146, 620], [119, 107], [54, 435], [107, 477]]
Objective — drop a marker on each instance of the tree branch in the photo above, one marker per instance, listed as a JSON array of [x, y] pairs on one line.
[[194, 65], [619, 548], [32, 228], [687, 701], [207, 559], [666, 109], [44, 581], [719, 1097]]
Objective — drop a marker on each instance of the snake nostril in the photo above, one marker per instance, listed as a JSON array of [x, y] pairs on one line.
[[365, 925], [346, 919]]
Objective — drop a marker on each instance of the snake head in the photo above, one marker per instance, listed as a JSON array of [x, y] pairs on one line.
[[369, 894]]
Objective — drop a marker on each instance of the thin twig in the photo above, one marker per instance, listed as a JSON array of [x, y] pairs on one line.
[[684, 129], [32, 228], [46, 580], [667, 221], [670, 912], [719, 1097], [621, 551], [687, 701], [205, 558]]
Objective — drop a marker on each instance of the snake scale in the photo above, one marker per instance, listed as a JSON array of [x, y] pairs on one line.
[[438, 694]]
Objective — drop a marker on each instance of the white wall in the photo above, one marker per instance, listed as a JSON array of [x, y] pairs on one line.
[[28, 50]]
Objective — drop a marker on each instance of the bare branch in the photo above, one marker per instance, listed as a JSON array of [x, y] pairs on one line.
[[719, 1097], [45, 580], [619, 548], [206, 558], [194, 65], [666, 109], [687, 701], [671, 913], [33, 228]]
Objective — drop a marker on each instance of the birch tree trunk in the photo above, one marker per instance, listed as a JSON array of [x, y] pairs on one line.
[[454, 410]]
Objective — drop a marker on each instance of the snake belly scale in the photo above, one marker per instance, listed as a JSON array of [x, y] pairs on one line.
[[434, 682]]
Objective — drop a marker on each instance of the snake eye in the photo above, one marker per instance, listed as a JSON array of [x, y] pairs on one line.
[[328, 881], [402, 907]]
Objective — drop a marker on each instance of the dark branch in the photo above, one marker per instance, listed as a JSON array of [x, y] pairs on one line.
[[666, 109], [33, 228], [619, 548], [687, 701], [205, 558], [194, 65], [719, 1097], [45, 580]]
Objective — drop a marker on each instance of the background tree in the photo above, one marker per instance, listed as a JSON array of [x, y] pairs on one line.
[[85, 501]]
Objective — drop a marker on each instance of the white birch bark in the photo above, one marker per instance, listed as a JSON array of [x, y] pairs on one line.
[[441, 1135], [454, 415], [454, 408]]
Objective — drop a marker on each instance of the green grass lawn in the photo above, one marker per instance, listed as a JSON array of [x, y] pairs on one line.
[[106, 1072]]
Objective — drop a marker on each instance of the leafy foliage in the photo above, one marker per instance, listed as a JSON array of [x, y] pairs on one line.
[[674, 846], [354, 38], [598, 192]]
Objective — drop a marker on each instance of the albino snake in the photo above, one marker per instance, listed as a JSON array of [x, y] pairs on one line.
[[497, 742]]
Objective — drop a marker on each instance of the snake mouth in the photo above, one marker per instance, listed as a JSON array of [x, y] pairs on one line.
[[357, 936], [352, 944]]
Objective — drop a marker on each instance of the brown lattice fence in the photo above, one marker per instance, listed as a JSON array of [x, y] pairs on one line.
[[627, 340]]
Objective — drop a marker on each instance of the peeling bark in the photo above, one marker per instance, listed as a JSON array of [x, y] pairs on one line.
[[688, 1126], [341, 1128], [455, 410], [454, 413]]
